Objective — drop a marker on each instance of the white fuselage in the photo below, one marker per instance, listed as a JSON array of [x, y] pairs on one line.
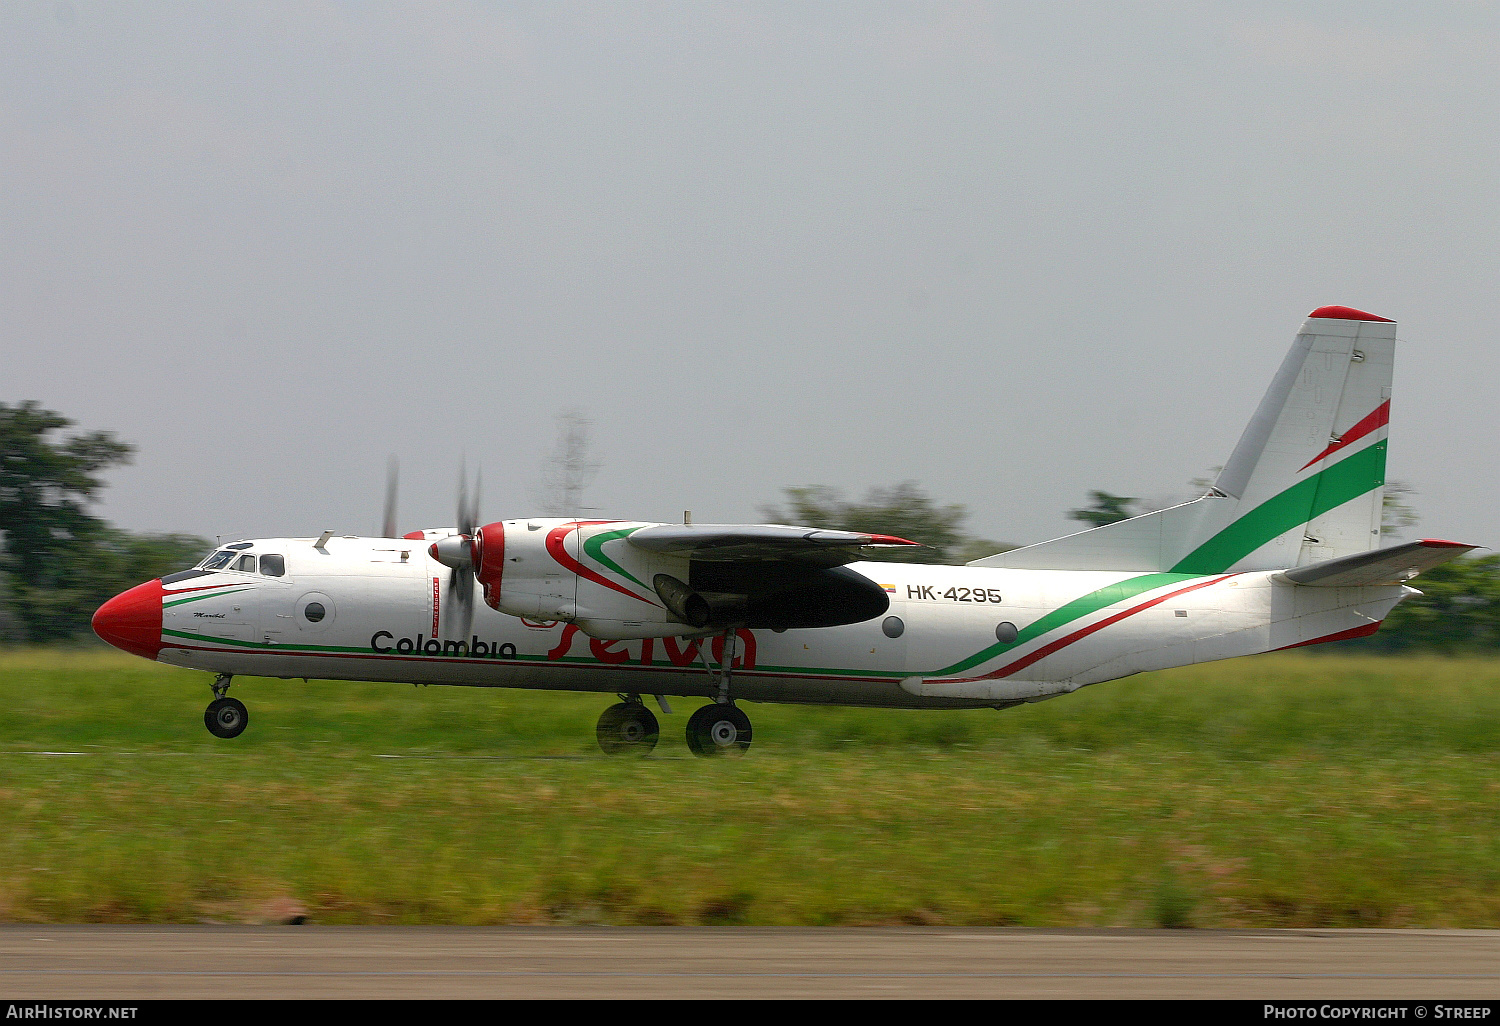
[[384, 618]]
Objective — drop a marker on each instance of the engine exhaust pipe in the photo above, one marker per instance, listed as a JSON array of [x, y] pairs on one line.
[[699, 610]]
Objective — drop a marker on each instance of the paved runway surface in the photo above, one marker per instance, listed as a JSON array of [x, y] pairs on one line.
[[136, 962]]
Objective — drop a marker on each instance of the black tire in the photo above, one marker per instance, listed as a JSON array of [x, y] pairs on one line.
[[627, 728], [226, 717], [718, 730]]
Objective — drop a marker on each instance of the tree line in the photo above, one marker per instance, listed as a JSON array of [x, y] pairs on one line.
[[59, 562]]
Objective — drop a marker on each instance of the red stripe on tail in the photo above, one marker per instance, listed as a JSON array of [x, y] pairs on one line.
[[1378, 418]]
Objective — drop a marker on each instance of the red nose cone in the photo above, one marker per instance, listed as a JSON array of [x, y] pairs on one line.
[[132, 620]]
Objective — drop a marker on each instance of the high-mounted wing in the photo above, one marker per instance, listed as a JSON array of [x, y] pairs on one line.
[[761, 542], [1395, 565]]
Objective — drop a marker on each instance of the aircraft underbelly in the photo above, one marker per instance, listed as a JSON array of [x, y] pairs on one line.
[[751, 686]]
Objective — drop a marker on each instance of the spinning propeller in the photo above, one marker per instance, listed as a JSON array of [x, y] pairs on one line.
[[388, 525], [457, 553]]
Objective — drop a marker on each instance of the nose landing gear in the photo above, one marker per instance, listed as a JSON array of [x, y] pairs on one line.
[[225, 717]]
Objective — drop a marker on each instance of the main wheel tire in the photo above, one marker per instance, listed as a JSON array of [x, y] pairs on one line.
[[627, 728], [718, 729], [226, 717]]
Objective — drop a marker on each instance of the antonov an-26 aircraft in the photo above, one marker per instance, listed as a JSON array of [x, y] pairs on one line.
[[1284, 551]]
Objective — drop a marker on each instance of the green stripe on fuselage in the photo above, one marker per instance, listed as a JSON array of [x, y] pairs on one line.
[[1348, 479], [1074, 610], [200, 598], [595, 548]]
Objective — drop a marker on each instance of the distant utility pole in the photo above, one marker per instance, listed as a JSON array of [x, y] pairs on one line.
[[571, 467]]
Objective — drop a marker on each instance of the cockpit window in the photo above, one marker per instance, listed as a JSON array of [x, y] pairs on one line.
[[217, 560], [273, 564], [246, 564]]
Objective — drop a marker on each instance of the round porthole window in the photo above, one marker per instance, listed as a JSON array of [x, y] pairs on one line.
[[315, 611], [893, 626], [1006, 632]]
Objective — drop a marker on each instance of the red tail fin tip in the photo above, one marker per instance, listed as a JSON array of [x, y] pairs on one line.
[[1347, 313]]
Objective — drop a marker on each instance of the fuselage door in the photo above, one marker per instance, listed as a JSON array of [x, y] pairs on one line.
[[274, 617]]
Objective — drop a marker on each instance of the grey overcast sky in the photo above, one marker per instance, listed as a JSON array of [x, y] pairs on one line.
[[1012, 251]]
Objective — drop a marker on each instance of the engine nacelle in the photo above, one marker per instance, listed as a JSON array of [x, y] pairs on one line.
[[517, 575], [579, 571], [587, 573]]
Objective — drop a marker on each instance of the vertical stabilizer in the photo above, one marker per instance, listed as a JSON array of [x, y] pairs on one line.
[[1309, 471], [1305, 483]]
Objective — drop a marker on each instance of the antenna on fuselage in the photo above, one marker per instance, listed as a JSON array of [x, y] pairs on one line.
[[322, 541]]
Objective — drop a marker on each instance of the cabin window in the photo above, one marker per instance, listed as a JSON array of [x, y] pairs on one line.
[[893, 627], [273, 564], [314, 612], [1006, 632]]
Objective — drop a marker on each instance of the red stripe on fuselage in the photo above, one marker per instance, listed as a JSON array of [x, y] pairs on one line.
[[556, 550], [206, 587], [1079, 635], [1363, 631]]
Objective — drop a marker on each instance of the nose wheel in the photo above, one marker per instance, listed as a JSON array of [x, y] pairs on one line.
[[225, 716], [627, 728], [718, 729]]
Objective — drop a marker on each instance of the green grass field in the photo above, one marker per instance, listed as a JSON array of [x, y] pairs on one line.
[[1286, 790]]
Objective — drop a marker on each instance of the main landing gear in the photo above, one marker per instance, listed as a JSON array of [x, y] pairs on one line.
[[225, 716], [628, 728], [719, 728]]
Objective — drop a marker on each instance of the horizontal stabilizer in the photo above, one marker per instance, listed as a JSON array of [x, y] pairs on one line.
[[1395, 565]]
